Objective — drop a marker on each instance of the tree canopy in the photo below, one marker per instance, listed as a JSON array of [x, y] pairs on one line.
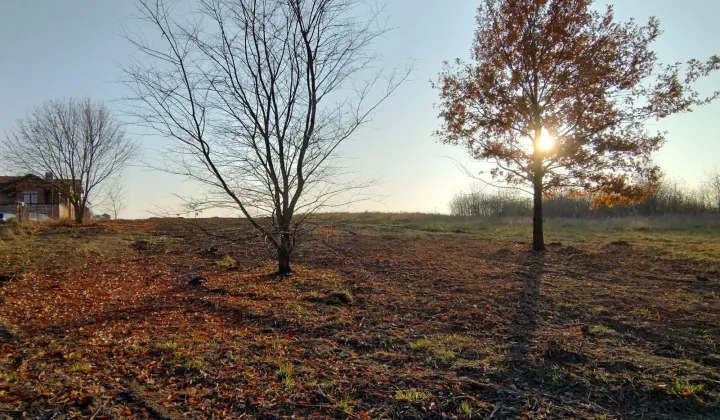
[[558, 95]]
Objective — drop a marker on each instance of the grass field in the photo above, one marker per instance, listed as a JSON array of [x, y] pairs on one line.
[[386, 316], [693, 238]]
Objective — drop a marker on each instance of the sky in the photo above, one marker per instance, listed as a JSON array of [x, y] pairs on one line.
[[53, 49]]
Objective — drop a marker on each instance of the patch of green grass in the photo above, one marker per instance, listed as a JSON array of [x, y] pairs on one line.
[[466, 408], [288, 383], [346, 404], [599, 329], [442, 349], [285, 370], [445, 356], [685, 388], [228, 263], [192, 365], [598, 309], [682, 237], [421, 345], [169, 346], [80, 367], [412, 396], [314, 296]]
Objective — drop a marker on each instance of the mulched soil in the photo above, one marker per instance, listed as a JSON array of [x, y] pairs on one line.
[[160, 319]]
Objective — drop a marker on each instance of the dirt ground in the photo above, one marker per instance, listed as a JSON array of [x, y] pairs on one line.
[[163, 319]]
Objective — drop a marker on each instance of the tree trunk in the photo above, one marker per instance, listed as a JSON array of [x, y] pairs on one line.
[[78, 215], [284, 251], [538, 238]]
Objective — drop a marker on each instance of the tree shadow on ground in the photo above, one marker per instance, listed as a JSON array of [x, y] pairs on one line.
[[525, 324], [535, 361]]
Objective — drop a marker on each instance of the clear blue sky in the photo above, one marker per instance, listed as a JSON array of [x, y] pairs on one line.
[[53, 49]]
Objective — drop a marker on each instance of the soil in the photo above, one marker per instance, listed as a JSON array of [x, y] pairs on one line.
[[373, 323]]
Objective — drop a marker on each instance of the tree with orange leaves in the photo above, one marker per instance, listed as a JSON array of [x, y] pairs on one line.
[[558, 96]]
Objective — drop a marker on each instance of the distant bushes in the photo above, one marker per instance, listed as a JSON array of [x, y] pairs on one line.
[[500, 203], [671, 198]]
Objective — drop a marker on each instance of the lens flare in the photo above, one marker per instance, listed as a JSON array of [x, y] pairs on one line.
[[546, 140]]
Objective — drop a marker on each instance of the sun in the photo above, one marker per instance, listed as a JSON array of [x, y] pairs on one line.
[[546, 140]]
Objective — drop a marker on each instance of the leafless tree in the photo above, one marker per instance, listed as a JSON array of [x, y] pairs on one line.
[[115, 199], [257, 96], [76, 141], [712, 185]]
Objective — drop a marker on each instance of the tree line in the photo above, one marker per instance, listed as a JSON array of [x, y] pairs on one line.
[[670, 198]]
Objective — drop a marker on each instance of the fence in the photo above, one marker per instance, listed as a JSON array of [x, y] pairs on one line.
[[37, 212]]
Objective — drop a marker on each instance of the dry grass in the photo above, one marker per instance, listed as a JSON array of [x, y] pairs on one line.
[[431, 324]]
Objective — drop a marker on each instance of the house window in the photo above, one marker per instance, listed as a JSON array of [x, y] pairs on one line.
[[30, 197]]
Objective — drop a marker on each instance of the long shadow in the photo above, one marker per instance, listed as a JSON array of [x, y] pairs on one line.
[[624, 401], [525, 323]]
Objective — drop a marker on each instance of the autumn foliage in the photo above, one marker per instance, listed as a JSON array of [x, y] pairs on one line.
[[589, 81]]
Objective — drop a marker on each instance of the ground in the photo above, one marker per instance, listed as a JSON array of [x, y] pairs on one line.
[[386, 316]]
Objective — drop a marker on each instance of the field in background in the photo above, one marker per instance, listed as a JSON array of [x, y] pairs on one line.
[[692, 238], [387, 316]]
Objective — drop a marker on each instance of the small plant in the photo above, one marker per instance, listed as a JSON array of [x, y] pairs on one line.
[[465, 408], [645, 313], [314, 296], [599, 329], [685, 388], [598, 310], [346, 404], [80, 367], [445, 356], [168, 346], [12, 377], [288, 383], [421, 345], [412, 396], [442, 349], [285, 370], [136, 348], [192, 365], [228, 263]]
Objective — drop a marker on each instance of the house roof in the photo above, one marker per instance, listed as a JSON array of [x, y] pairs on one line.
[[8, 183], [8, 179]]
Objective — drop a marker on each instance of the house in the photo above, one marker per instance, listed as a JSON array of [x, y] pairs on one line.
[[103, 216], [36, 197]]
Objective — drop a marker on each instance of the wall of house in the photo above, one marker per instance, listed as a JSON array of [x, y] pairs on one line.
[[7, 200], [66, 212], [31, 185], [49, 203]]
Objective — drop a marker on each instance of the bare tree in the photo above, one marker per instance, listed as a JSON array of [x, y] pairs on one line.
[[712, 185], [115, 199], [76, 141], [257, 96]]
